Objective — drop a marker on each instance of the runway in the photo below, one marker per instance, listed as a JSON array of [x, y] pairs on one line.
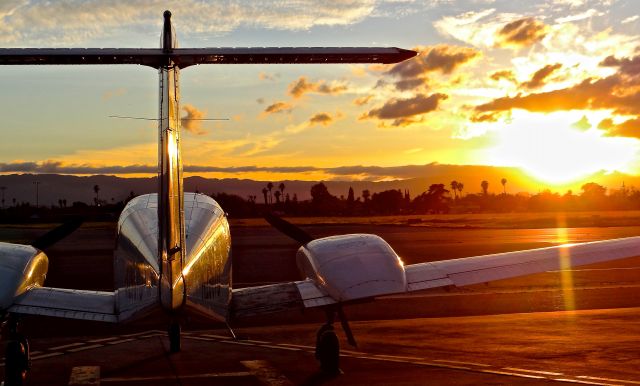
[[493, 334]]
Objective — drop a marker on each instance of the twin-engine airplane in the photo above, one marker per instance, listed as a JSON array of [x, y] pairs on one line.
[[174, 248]]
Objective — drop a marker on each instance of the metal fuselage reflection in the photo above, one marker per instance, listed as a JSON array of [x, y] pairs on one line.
[[173, 248]]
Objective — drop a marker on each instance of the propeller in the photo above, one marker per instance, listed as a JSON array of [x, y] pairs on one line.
[[287, 228], [302, 237], [58, 233]]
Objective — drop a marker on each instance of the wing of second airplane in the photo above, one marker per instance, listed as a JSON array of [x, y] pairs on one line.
[[346, 268]]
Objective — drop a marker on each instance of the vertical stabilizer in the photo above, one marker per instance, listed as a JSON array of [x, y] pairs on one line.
[[171, 240]]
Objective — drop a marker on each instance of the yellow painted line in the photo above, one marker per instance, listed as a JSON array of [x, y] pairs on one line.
[[217, 336], [399, 357], [301, 346], [121, 341], [279, 347], [266, 373], [532, 371], [150, 336], [66, 346], [32, 353], [173, 377], [103, 339], [200, 338], [608, 379], [583, 382], [85, 375], [52, 354], [85, 348], [343, 351], [512, 374], [238, 343], [462, 363], [256, 341]]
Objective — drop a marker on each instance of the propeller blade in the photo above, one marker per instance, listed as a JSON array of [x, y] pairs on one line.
[[57, 234], [345, 326], [288, 229]]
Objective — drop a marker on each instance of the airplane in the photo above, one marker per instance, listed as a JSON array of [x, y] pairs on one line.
[[173, 248]]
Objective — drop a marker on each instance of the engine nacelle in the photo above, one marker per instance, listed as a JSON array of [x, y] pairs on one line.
[[21, 267], [351, 267]]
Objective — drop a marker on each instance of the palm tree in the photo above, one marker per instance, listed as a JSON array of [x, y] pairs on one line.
[[264, 193], [460, 187], [485, 187], [454, 187], [504, 185], [277, 194], [270, 186], [365, 195], [281, 187], [96, 189]]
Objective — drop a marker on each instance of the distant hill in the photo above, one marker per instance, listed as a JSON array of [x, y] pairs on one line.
[[53, 187]]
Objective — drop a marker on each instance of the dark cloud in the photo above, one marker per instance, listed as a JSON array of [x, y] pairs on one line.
[[628, 66], [523, 32], [60, 168], [615, 92], [190, 122], [503, 74], [539, 77], [321, 119], [278, 107], [444, 58], [302, 86], [401, 109]]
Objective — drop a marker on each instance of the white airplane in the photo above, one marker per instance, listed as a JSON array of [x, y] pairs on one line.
[[174, 248]]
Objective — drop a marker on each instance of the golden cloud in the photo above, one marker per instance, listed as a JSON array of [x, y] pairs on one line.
[[503, 74], [521, 33], [302, 86], [278, 107], [628, 128], [323, 119], [191, 121], [539, 77]]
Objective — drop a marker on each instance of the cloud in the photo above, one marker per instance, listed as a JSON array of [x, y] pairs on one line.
[[443, 58], [302, 86], [619, 92], [539, 77], [76, 22], [583, 124], [400, 110], [278, 107], [581, 16], [503, 74], [191, 121], [323, 119], [120, 91], [630, 19], [521, 33], [266, 76], [628, 128], [363, 100]]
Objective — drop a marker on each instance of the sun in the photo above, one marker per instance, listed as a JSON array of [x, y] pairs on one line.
[[554, 150]]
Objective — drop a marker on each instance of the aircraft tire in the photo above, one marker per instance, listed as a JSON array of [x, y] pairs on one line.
[[328, 352], [16, 362], [174, 337]]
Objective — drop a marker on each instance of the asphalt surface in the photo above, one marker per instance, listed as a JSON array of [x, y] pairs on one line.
[[513, 331]]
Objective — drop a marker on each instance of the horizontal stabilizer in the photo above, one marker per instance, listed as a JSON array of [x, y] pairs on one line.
[[67, 303], [185, 57]]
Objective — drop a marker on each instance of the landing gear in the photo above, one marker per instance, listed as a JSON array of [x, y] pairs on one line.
[[17, 360], [327, 343], [328, 350], [174, 336]]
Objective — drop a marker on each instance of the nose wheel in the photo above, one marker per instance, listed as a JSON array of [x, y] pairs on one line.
[[17, 359], [328, 350], [174, 336]]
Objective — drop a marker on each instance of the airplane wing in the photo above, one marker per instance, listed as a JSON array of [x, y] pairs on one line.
[[185, 57], [345, 275]]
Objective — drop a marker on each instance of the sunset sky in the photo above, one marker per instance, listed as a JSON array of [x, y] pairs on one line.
[[550, 86]]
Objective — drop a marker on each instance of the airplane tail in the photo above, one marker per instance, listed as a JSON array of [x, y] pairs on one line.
[[171, 232]]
